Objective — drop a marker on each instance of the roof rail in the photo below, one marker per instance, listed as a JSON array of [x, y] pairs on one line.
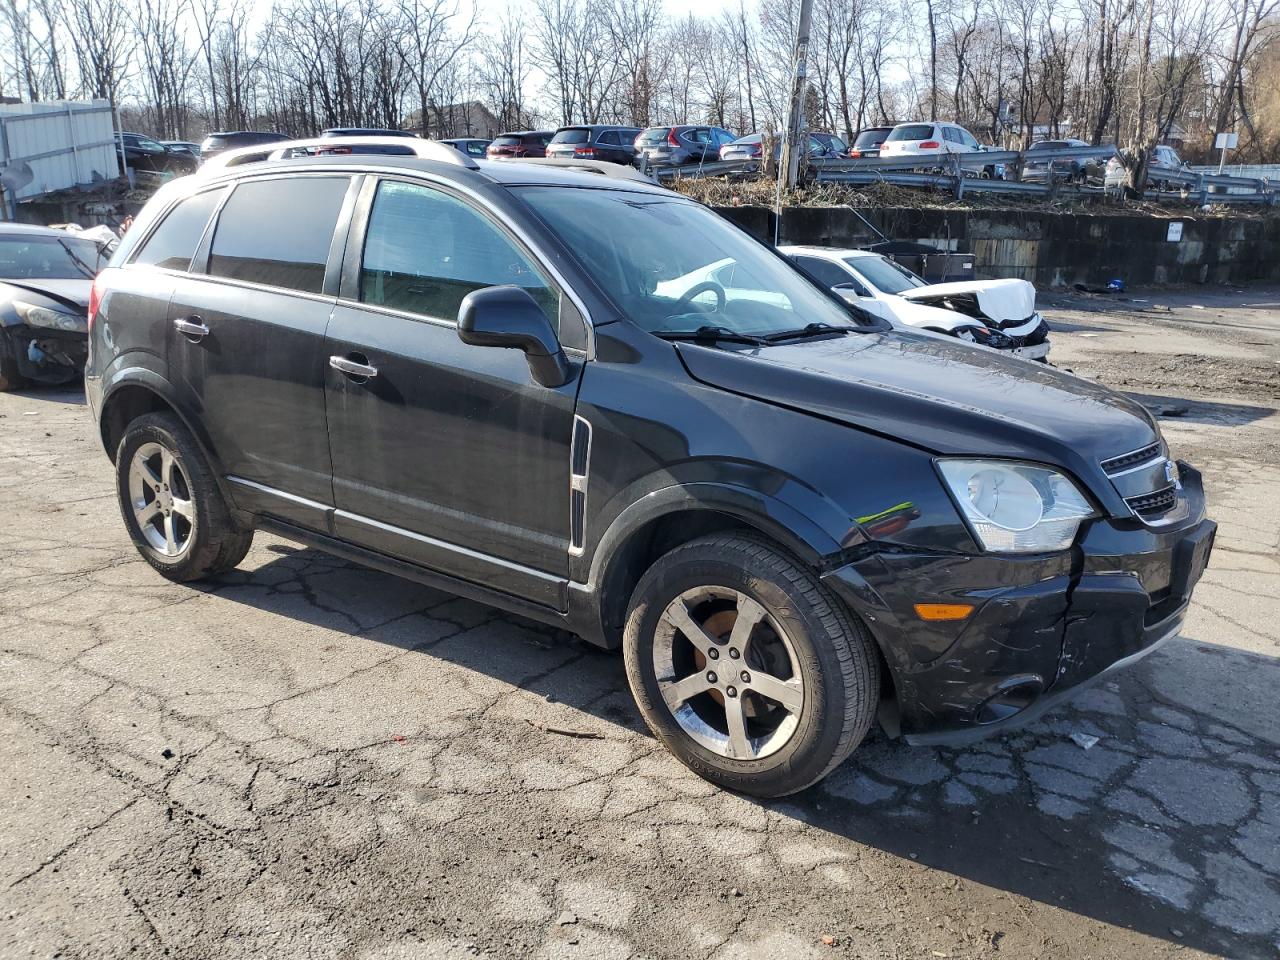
[[282, 149], [615, 171]]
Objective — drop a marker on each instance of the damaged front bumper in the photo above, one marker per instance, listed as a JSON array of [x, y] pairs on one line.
[[1041, 626], [48, 356]]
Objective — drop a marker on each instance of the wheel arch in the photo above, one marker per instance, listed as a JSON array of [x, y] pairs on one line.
[[668, 518]]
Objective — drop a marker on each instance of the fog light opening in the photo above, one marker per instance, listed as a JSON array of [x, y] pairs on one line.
[[1010, 700]]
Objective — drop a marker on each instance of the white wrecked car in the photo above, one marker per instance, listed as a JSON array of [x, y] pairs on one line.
[[995, 313]]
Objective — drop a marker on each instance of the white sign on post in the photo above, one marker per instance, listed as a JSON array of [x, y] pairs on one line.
[[1226, 141], [1175, 231]]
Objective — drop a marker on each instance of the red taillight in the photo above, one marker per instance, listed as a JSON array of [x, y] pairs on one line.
[[930, 145], [584, 151], [854, 154], [95, 296], [672, 138]]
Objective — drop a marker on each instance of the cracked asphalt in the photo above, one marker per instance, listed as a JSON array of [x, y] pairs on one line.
[[307, 759]]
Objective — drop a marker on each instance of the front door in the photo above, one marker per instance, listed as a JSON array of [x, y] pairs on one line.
[[444, 454], [247, 338]]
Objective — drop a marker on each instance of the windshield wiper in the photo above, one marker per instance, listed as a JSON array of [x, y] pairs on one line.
[[808, 330], [711, 334]]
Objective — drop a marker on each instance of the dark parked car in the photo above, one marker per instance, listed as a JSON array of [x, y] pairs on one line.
[[1064, 168], [595, 142], [471, 146], [45, 279], [867, 142], [216, 143], [526, 143], [183, 146], [146, 156], [676, 146], [658, 434]]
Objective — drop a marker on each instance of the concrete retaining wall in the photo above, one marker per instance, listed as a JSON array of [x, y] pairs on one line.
[[1050, 249]]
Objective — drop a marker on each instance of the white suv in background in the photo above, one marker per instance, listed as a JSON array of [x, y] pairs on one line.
[[907, 139]]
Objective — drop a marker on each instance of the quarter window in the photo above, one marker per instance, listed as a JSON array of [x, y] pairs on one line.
[[426, 250], [173, 243], [278, 232]]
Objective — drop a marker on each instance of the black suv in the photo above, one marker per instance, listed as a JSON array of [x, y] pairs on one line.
[[660, 436], [216, 143], [595, 142]]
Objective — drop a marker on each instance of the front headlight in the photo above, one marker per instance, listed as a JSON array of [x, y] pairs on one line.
[[50, 319], [1016, 507]]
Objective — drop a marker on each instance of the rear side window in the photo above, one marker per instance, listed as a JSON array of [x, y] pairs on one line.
[[610, 138], [173, 243], [426, 250], [278, 232]]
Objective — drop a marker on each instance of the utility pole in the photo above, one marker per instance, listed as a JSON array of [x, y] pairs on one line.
[[792, 149]]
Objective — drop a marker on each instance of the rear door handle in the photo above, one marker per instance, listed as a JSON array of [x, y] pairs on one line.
[[191, 327], [353, 368]]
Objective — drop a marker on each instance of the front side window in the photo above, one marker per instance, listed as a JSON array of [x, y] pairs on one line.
[[426, 250], [173, 243], [673, 266], [278, 232], [824, 271]]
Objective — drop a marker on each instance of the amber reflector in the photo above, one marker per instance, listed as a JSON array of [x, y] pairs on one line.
[[943, 611]]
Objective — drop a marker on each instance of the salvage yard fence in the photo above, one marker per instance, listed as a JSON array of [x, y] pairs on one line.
[[53, 145], [962, 173]]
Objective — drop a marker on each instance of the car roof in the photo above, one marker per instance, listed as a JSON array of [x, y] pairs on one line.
[[826, 253], [506, 173]]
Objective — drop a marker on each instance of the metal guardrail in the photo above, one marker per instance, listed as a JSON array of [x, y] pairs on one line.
[[957, 172]]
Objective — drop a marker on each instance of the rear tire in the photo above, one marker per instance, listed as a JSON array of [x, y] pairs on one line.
[[10, 378], [801, 672], [171, 504]]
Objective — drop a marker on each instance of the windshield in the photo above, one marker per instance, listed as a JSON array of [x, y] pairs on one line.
[[48, 258], [572, 135], [673, 266], [885, 275], [912, 131]]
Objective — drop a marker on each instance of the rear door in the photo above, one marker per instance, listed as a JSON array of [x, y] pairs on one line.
[[247, 338], [446, 455]]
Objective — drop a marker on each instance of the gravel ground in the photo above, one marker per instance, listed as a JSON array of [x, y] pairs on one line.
[[311, 760]]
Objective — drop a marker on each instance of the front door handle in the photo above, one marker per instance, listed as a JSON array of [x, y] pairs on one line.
[[191, 327], [353, 368]]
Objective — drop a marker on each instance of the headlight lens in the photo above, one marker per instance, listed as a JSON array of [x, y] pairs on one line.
[[1016, 507], [50, 319]]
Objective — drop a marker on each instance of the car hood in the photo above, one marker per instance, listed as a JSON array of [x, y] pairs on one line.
[[68, 293], [936, 393], [999, 300]]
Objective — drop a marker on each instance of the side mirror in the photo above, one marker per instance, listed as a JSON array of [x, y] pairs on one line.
[[507, 316]]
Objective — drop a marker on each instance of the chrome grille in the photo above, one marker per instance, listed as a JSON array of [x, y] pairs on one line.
[[1144, 479], [1132, 459]]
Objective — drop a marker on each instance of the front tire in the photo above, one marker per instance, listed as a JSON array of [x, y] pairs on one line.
[[171, 504], [747, 668]]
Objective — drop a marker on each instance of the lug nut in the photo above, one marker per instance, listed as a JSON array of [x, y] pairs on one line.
[[746, 677], [733, 653], [711, 677], [713, 653], [731, 691]]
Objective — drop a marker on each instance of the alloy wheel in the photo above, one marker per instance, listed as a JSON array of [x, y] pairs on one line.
[[728, 673], [160, 497]]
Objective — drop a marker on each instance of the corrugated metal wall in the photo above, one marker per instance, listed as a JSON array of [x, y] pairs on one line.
[[65, 143]]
